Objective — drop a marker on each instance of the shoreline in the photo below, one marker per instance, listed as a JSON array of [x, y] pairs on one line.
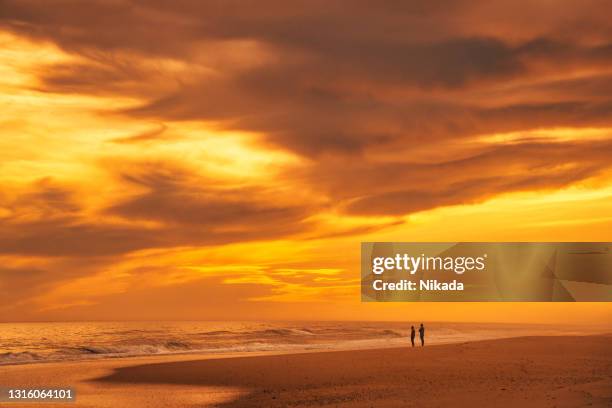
[[351, 345]]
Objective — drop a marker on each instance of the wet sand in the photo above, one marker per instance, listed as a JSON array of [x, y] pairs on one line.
[[528, 372]]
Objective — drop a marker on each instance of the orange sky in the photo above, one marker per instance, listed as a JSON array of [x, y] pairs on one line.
[[204, 160]]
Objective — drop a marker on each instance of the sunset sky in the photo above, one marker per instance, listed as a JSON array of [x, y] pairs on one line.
[[224, 160]]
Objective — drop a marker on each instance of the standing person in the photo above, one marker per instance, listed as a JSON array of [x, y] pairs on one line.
[[422, 334], [412, 335]]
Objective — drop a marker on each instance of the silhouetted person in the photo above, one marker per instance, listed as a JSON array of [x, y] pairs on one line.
[[412, 335], [422, 334]]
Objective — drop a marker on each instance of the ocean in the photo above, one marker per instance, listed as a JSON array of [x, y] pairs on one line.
[[22, 343]]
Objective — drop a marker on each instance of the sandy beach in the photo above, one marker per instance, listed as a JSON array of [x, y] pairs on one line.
[[527, 371]]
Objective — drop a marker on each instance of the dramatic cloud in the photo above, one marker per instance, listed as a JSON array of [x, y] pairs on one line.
[[46, 220], [140, 130], [403, 187], [178, 198]]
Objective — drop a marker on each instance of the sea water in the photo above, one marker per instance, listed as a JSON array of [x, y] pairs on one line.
[[40, 342]]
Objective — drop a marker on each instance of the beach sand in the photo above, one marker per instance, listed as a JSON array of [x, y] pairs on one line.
[[528, 372]]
